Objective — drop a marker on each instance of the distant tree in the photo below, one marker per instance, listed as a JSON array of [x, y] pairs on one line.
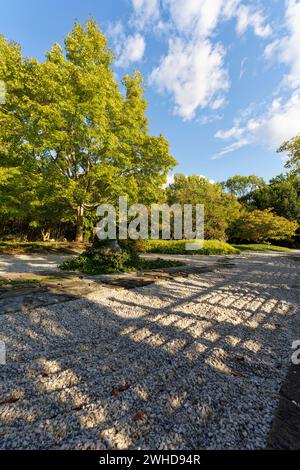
[[242, 185], [282, 195], [220, 208], [292, 148], [261, 226]]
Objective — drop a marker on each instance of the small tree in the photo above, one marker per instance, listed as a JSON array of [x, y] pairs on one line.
[[261, 226]]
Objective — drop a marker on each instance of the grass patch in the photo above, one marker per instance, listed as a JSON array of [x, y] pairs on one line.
[[14, 248], [158, 263], [261, 247], [16, 282], [177, 247], [35, 280]]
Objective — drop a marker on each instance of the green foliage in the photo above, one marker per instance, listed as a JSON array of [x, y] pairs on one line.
[[95, 263], [100, 261], [260, 226], [282, 195], [292, 148], [261, 247], [241, 185], [220, 208], [210, 247], [69, 139], [17, 282]]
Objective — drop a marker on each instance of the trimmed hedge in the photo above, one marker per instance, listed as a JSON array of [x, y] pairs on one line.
[[177, 247]]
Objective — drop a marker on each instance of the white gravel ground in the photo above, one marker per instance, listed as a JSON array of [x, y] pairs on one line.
[[31, 263], [188, 364]]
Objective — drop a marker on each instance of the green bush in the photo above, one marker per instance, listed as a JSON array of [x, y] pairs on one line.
[[261, 226], [94, 262], [210, 247], [100, 260]]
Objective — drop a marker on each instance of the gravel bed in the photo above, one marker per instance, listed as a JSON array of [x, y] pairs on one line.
[[191, 363]]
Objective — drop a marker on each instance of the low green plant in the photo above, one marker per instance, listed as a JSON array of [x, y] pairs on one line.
[[16, 282], [100, 260], [210, 247]]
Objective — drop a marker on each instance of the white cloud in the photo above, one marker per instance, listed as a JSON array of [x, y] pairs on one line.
[[234, 132], [192, 70], [200, 17], [279, 123], [243, 67], [282, 120], [145, 11], [127, 48], [230, 148], [133, 50], [193, 73], [286, 49], [170, 180], [248, 17], [203, 16], [218, 103]]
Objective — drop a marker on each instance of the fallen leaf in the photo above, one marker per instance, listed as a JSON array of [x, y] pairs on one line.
[[115, 393], [12, 399], [235, 373], [123, 387], [138, 416]]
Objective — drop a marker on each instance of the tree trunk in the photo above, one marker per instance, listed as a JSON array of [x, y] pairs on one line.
[[46, 235], [79, 225]]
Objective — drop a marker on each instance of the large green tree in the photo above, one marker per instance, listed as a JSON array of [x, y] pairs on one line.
[[68, 126], [220, 208]]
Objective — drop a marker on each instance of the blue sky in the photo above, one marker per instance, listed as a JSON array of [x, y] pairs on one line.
[[222, 76]]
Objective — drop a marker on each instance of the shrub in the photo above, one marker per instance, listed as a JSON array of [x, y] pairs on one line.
[[101, 259], [260, 226]]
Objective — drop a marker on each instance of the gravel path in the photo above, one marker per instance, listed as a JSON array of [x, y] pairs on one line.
[[31, 263], [193, 363]]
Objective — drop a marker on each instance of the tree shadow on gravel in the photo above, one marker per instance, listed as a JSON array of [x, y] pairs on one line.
[[189, 364]]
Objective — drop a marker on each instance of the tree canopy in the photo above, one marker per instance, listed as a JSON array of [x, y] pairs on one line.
[[220, 208], [70, 138], [242, 185]]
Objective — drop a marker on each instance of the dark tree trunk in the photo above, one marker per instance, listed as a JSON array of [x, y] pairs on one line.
[[79, 225]]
